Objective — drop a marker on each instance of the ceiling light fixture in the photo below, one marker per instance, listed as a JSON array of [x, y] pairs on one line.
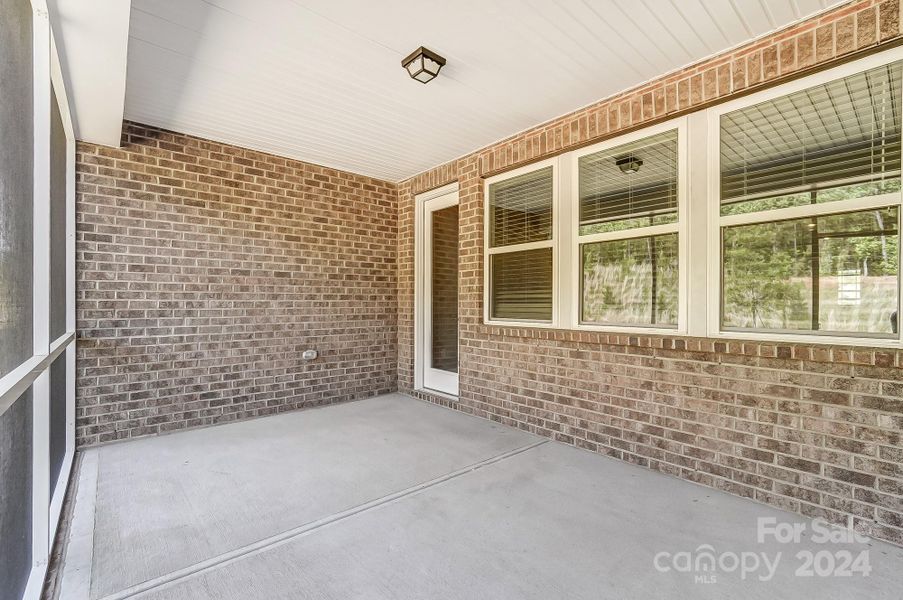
[[629, 164], [423, 64]]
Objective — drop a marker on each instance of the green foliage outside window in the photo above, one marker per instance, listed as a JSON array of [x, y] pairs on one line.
[[830, 273]]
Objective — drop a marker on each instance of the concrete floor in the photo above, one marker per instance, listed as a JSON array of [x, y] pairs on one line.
[[398, 499]]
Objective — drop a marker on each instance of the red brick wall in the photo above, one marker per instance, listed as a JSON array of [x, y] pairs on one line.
[[812, 429], [205, 270]]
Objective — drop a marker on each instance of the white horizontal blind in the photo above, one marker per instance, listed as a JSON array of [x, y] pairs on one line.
[[520, 209], [611, 199], [842, 132], [627, 278], [789, 261], [521, 231], [522, 285]]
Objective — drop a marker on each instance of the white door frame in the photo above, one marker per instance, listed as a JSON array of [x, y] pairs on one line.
[[425, 377]]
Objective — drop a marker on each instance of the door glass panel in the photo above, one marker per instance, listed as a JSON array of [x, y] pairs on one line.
[[444, 287]]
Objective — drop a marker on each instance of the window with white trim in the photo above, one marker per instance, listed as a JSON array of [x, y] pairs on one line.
[[809, 209], [773, 216], [520, 213], [627, 233]]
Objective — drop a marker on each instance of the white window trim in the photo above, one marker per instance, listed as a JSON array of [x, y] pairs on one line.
[[717, 222], [572, 240], [554, 243], [699, 225]]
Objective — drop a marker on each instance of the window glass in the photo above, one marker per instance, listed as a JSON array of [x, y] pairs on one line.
[[444, 289], [521, 285], [630, 282], [629, 186], [520, 209], [831, 142], [837, 143], [835, 273], [520, 279], [626, 279]]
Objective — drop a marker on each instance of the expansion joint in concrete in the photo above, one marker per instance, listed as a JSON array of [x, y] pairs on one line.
[[306, 529]]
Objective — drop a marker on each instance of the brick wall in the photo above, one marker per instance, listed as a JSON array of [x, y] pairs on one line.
[[204, 271], [809, 428]]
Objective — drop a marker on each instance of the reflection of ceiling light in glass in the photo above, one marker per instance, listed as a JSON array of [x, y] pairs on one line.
[[629, 164], [423, 65]]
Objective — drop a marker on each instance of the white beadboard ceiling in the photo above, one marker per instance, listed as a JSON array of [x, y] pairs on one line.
[[321, 80]]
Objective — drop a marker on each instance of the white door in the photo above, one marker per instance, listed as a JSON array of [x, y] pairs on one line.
[[436, 359]]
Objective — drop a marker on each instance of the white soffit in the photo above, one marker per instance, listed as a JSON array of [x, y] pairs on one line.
[[92, 39], [321, 80]]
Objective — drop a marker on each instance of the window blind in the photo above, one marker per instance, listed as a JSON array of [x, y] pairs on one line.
[[843, 132], [521, 285], [608, 194], [521, 209]]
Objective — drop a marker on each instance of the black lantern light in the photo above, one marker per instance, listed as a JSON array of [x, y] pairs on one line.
[[423, 65], [629, 164]]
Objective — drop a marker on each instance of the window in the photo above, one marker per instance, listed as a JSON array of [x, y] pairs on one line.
[[809, 186], [628, 199], [833, 273], [775, 216], [520, 215]]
